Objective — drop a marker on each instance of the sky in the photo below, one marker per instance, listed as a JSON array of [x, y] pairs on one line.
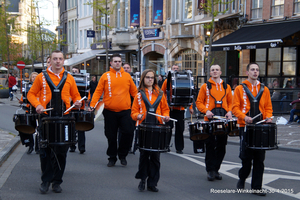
[[47, 13]]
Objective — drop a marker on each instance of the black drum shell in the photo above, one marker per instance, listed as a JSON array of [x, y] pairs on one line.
[[25, 123], [84, 120], [154, 137], [261, 136], [218, 127], [58, 130], [232, 128], [199, 130]]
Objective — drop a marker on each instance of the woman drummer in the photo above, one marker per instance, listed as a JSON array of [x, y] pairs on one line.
[[150, 94]]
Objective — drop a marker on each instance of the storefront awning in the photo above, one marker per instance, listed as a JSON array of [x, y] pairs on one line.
[[82, 57], [209, 19], [266, 35]]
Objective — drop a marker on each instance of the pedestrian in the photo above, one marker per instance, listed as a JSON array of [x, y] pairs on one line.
[[93, 85], [11, 82], [160, 81], [215, 98], [177, 112], [54, 87], [116, 86], [149, 95], [295, 109], [250, 99]]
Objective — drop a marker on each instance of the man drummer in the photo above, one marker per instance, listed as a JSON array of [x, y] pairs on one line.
[[250, 99], [81, 134], [215, 99], [116, 86], [177, 112], [53, 87]]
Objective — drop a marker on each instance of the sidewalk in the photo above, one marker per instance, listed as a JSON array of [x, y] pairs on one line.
[[288, 136]]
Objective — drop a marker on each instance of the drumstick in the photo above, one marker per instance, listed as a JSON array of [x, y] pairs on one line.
[[175, 120], [74, 104], [48, 109], [191, 118], [256, 116], [264, 120]]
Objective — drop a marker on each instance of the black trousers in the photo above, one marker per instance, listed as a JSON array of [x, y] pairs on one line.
[[26, 139], [179, 128], [53, 163], [149, 165], [80, 141], [215, 152], [112, 122], [248, 155]]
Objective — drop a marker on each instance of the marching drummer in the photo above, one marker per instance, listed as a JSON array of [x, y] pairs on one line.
[[150, 96], [215, 98], [177, 112], [250, 99], [53, 86]]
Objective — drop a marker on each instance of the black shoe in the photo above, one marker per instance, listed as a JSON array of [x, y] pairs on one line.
[[211, 175], [168, 149], [82, 151], [30, 149], [218, 176], [111, 163], [123, 161], [141, 186], [179, 151], [152, 189], [44, 187], [259, 192], [56, 188], [72, 149], [240, 184], [37, 151]]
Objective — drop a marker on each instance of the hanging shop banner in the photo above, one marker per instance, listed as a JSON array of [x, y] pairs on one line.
[[134, 12], [158, 11]]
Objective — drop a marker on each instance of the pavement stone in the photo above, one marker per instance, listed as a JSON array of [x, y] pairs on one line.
[[288, 136]]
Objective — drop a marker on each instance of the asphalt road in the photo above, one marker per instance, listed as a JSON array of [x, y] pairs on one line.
[[182, 176]]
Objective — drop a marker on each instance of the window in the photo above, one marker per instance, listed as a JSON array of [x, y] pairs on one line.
[[187, 60], [256, 10], [188, 9], [277, 8], [147, 16], [80, 8], [84, 39], [274, 61], [118, 15], [69, 30], [289, 60], [297, 6], [261, 60], [226, 5], [240, 5], [183, 10], [233, 6], [81, 40], [177, 9]]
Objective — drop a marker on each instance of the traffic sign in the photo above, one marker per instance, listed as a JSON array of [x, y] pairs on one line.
[[21, 65]]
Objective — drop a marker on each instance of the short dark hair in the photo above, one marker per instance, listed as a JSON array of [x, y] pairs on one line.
[[56, 51], [252, 63], [115, 55], [126, 63]]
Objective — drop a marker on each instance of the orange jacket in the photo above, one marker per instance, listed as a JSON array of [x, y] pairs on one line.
[[206, 102], [117, 88], [241, 102], [40, 92], [139, 107], [164, 89]]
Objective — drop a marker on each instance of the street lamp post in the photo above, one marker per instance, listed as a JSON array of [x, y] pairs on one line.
[[139, 37]]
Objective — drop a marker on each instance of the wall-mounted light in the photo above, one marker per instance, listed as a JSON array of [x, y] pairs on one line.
[[208, 33]]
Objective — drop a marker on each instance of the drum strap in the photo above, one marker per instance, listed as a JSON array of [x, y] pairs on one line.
[[220, 111], [151, 107], [254, 101], [56, 101]]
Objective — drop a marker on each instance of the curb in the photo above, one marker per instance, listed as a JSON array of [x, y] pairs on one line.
[[8, 149]]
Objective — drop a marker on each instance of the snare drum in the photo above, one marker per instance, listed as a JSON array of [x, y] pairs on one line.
[[58, 130], [199, 130], [261, 136], [154, 137], [84, 120], [232, 128], [218, 127], [25, 123]]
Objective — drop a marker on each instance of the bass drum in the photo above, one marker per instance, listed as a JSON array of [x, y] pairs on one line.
[[84, 120], [25, 123], [180, 88], [261, 136], [58, 131], [153, 137]]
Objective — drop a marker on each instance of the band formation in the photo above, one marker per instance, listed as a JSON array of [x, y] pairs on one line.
[[60, 106]]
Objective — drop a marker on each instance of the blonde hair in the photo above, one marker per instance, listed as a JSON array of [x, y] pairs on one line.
[[33, 73]]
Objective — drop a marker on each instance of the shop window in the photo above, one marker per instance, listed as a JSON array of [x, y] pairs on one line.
[[297, 6], [261, 60], [256, 10], [274, 61], [277, 8], [289, 61]]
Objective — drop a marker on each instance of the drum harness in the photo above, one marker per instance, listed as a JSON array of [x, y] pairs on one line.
[[149, 118], [254, 101], [218, 110]]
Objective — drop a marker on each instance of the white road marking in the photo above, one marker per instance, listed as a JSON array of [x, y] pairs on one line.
[[227, 166]]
